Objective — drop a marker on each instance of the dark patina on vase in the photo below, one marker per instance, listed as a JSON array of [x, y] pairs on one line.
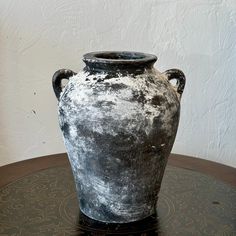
[[119, 117]]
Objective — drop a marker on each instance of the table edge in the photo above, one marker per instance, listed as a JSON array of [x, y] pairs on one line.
[[12, 172]]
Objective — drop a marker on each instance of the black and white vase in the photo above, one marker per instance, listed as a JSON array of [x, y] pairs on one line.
[[119, 118]]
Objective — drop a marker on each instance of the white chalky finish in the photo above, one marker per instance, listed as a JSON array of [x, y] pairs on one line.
[[119, 179], [122, 108]]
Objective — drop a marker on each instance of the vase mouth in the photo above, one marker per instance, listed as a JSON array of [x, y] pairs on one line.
[[119, 57], [118, 60]]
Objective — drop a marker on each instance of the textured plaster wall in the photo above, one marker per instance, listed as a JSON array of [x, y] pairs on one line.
[[39, 37]]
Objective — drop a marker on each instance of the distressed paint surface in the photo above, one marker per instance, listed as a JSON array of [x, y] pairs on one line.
[[118, 131]]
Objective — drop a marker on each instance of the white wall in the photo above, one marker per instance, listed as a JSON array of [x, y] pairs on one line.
[[39, 37]]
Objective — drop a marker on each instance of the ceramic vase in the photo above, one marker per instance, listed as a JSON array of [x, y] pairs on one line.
[[119, 117]]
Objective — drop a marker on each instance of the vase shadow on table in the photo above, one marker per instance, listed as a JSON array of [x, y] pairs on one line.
[[88, 226]]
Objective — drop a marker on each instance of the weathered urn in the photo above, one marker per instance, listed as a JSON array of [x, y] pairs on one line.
[[119, 118]]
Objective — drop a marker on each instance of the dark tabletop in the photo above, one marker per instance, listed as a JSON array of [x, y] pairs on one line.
[[37, 197]]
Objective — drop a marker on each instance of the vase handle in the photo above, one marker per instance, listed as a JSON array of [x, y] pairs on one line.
[[179, 76], [58, 77]]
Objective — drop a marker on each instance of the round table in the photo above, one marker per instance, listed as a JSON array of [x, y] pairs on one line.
[[37, 197]]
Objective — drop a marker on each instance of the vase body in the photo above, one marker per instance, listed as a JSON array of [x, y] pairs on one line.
[[119, 118]]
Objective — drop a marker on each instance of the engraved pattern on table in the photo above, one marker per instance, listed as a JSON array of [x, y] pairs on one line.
[[44, 203]]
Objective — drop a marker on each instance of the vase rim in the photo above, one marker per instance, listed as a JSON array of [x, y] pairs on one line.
[[119, 57]]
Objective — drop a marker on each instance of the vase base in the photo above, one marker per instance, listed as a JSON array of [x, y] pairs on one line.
[[109, 218]]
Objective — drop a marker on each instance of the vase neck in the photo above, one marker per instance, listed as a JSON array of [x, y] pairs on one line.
[[118, 62]]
